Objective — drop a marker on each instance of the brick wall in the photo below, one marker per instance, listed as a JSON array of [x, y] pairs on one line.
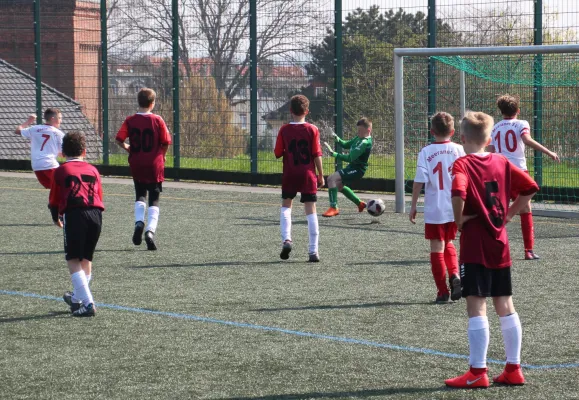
[[70, 43]]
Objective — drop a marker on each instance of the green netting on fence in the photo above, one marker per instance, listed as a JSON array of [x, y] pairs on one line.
[[551, 70]]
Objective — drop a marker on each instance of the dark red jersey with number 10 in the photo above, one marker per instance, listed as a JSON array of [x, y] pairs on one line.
[[299, 144], [148, 135], [76, 184], [485, 182]]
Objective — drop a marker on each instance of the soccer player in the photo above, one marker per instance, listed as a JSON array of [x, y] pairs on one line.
[[480, 200], [76, 194], [299, 144], [509, 138], [360, 147], [434, 166], [45, 144], [149, 140]]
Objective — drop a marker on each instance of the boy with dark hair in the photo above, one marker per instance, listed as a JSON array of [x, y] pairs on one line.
[[77, 195], [45, 144], [509, 138], [434, 166], [480, 200], [360, 147], [149, 140], [299, 144]]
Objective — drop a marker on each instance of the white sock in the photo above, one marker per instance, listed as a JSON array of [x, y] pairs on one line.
[[153, 219], [140, 208], [285, 222], [478, 341], [512, 337], [314, 233], [81, 290]]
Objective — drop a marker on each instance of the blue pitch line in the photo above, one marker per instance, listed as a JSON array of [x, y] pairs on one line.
[[291, 332]]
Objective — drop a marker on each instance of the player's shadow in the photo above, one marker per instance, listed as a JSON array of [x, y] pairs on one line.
[[51, 314], [208, 264], [340, 395], [395, 263], [344, 306], [29, 253]]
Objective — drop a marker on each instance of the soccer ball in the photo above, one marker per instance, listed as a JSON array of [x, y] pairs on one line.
[[375, 207]]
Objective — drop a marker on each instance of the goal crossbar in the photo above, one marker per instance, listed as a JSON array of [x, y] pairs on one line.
[[399, 55]]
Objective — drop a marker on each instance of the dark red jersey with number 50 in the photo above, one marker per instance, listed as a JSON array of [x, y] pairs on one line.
[[299, 144], [76, 184], [148, 139]]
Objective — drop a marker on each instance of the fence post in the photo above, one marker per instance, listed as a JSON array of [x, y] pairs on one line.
[[176, 82], [104, 82], [338, 77], [538, 93], [37, 61], [253, 85], [431, 62]]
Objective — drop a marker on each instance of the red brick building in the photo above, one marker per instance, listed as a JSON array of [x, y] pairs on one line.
[[70, 45]]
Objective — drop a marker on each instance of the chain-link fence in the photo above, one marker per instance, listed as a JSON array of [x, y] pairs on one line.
[[200, 55]]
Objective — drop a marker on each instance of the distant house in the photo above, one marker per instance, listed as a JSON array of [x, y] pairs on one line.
[[18, 101]]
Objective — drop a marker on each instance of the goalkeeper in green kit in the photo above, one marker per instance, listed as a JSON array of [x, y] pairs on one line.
[[360, 148]]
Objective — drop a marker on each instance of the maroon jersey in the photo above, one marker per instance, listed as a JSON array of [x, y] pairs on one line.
[[76, 184], [299, 144], [485, 182], [148, 139]]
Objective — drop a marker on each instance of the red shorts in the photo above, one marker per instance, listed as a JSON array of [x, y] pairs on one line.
[[45, 177], [303, 183], [444, 232], [514, 193]]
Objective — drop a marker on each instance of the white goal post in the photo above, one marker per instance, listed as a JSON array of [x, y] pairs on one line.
[[399, 55]]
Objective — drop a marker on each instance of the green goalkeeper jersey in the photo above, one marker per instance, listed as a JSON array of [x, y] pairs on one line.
[[359, 154]]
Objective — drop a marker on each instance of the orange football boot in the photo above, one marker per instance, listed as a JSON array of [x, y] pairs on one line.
[[331, 212], [512, 375], [469, 381], [361, 206]]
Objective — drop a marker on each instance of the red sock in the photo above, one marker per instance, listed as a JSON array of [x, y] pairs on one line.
[[528, 232], [450, 259], [439, 272]]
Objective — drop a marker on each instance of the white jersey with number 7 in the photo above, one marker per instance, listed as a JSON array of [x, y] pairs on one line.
[[434, 169], [507, 139], [45, 146]]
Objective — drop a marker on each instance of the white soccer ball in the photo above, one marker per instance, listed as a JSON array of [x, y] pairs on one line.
[[375, 207]]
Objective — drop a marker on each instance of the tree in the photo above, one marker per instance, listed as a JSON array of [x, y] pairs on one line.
[[219, 29]]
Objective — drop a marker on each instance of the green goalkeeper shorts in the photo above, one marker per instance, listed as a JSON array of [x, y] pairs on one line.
[[351, 174]]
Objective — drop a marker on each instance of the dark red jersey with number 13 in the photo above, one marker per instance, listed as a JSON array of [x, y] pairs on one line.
[[299, 144], [147, 134], [76, 184]]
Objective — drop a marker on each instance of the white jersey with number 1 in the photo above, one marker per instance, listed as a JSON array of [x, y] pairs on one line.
[[45, 145], [507, 139], [434, 170]]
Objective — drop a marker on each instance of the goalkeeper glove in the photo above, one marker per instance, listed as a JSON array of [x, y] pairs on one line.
[[332, 152]]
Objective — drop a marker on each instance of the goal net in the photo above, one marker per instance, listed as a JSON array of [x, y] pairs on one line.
[[546, 80]]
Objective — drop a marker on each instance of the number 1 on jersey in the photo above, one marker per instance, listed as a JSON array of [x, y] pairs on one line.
[[438, 169]]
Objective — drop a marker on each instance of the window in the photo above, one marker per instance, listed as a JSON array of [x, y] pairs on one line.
[[243, 121], [319, 90]]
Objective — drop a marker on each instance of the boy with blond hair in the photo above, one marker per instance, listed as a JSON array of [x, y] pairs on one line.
[[149, 140], [45, 144], [481, 186], [299, 144], [360, 147], [433, 169], [509, 138]]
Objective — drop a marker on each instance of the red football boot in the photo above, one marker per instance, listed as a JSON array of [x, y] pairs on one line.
[[361, 206], [331, 212], [469, 380], [512, 375]]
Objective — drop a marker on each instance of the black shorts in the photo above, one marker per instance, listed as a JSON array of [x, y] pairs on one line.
[[154, 190], [82, 229], [304, 197], [477, 280]]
